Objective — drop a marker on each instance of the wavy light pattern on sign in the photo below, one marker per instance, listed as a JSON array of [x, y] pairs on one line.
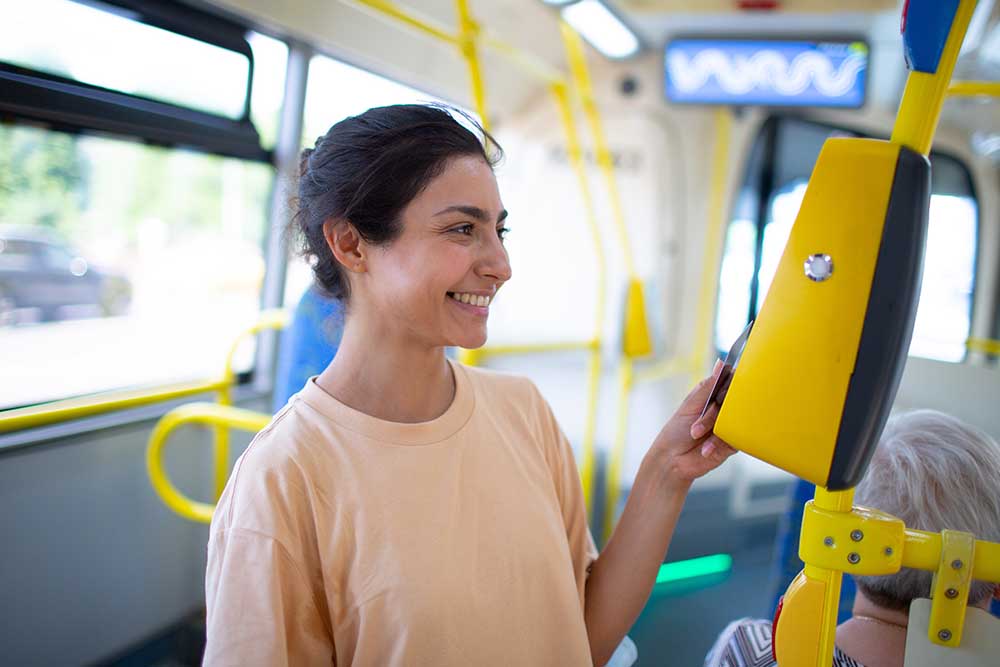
[[747, 72]]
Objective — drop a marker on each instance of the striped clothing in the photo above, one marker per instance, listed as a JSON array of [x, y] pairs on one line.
[[747, 643]]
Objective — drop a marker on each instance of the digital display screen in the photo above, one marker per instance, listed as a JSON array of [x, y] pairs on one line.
[[743, 72]]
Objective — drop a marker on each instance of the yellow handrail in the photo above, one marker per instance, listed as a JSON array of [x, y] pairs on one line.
[[100, 403], [973, 89], [268, 319], [221, 417], [420, 24], [985, 345]]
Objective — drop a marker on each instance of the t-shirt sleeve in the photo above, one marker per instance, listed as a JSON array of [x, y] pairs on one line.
[[559, 453], [261, 607]]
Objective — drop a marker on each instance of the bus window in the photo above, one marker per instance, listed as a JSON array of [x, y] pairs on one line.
[[754, 246], [124, 262], [270, 57]]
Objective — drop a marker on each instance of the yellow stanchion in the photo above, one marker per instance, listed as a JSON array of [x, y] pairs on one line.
[[614, 475], [468, 37], [920, 108], [637, 341], [594, 365], [694, 362]]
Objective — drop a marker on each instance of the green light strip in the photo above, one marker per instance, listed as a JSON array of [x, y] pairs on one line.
[[695, 567]]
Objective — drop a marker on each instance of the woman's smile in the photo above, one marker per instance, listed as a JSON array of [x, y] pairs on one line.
[[477, 304]]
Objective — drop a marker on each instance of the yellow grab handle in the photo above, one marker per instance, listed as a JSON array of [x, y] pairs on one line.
[[225, 416]]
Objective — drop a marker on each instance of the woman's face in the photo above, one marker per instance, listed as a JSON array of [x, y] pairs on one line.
[[435, 281]]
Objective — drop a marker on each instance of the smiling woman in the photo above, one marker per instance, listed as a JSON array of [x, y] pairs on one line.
[[404, 509]]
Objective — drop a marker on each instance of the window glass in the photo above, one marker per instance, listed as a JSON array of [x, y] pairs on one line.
[[147, 262], [270, 58], [944, 310], [112, 51]]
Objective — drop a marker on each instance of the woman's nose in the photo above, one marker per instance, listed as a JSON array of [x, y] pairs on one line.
[[495, 263]]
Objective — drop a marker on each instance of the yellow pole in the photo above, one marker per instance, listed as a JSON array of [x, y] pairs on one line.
[[713, 240], [613, 488], [838, 501], [575, 153], [920, 108], [390, 9], [581, 77], [468, 36]]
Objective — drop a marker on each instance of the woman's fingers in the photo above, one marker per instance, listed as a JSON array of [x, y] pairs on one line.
[[716, 449], [703, 425]]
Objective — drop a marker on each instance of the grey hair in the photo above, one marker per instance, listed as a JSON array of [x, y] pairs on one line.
[[933, 472]]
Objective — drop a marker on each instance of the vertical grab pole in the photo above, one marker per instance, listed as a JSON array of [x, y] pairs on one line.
[[575, 154], [636, 336], [468, 35], [920, 107], [713, 239], [838, 501]]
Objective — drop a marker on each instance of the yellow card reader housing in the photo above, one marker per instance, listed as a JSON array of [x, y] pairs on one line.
[[821, 367]]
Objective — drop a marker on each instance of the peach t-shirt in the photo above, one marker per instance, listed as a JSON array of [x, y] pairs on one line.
[[344, 539]]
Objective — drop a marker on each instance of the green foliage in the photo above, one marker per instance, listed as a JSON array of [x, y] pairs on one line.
[[41, 178], [88, 186]]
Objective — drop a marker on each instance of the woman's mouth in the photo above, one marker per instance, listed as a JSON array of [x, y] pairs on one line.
[[471, 299], [474, 304]]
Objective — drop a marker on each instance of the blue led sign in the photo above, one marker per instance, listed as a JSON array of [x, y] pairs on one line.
[[766, 72]]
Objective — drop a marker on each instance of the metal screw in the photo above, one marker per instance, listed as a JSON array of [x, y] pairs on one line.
[[828, 541], [951, 593], [857, 535], [956, 564], [944, 635], [818, 267], [853, 558], [888, 551]]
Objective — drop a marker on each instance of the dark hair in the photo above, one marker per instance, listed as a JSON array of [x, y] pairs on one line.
[[367, 168]]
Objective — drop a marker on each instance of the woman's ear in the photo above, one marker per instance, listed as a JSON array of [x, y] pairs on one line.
[[346, 244]]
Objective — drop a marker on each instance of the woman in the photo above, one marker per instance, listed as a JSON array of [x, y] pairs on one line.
[[403, 509], [933, 472]]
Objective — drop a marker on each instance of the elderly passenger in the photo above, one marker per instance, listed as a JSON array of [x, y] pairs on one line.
[[933, 472]]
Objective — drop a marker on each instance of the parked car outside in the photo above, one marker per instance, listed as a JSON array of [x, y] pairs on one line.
[[43, 279]]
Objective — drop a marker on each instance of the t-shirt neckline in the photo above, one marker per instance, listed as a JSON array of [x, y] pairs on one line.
[[420, 433]]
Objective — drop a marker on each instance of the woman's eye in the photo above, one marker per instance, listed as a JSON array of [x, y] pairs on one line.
[[464, 229], [502, 232]]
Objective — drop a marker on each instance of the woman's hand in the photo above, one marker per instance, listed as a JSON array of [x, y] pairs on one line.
[[686, 446]]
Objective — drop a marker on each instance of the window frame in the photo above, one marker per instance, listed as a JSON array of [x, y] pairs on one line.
[[768, 132], [67, 105]]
